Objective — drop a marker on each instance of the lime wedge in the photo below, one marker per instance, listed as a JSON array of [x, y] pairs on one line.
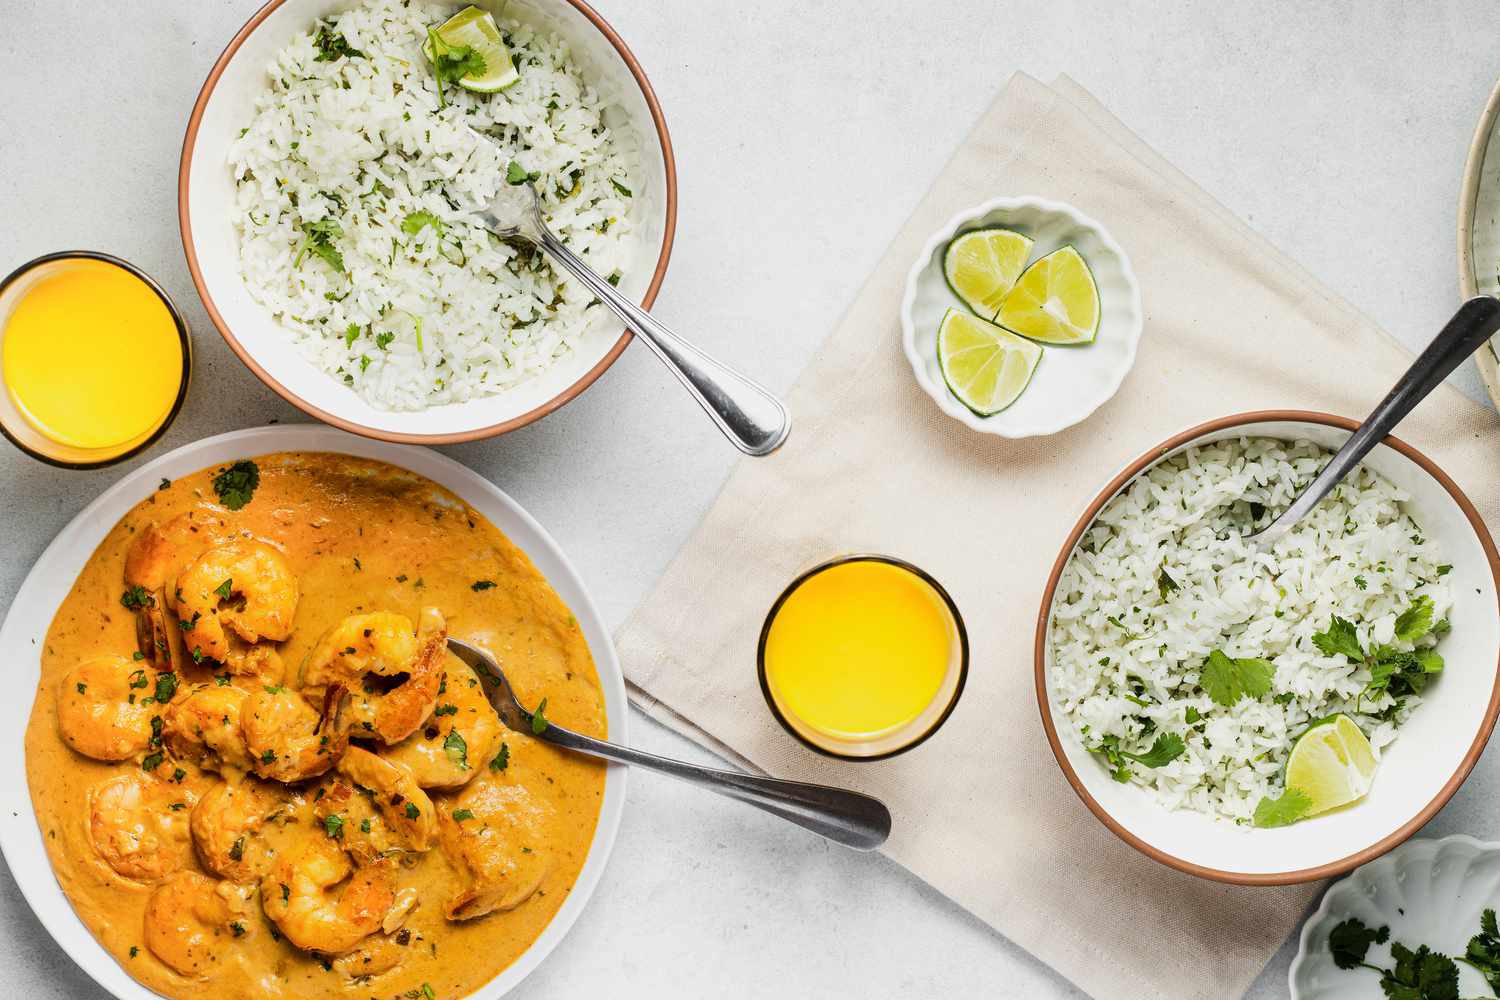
[[985, 366], [982, 265], [475, 29], [1332, 764], [1055, 301]]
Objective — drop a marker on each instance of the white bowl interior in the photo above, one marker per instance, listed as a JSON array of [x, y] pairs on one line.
[[1070, 382], [1429, 749], [52, 577], [210, 199]]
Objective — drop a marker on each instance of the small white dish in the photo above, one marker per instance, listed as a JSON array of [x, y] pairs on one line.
[[30, 615], [1428, 892], [1437, 747], [1070, 382]]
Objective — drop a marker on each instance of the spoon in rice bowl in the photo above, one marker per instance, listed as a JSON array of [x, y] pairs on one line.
[[1476, 321], [748, 414]]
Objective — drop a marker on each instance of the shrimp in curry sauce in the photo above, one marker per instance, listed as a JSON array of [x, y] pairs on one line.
[[259, 772]]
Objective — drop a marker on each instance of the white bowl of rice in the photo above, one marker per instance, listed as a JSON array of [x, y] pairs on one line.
[[326, 198], [1156, 578]]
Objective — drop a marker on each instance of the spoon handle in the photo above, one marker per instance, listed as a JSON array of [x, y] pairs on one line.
[[748, 414], [1475, 322], [845, 817]]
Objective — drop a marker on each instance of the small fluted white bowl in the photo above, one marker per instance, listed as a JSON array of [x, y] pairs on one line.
[[1428, 892], [1070, 382]]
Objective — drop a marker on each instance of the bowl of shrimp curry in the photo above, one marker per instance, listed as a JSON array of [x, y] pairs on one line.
[[259, 772]]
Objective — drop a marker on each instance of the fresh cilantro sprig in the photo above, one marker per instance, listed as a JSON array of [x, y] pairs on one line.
[[1291, 807], [451, 63], [333, 46], [1167, 748], [317, 239], [1422, 974], [1165, 584], [236, 484], [1392, 671], [417, 221], [1227, 680], [1483, 953]]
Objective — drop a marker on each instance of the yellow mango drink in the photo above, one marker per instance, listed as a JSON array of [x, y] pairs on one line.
[[863, 657], [93, 358]]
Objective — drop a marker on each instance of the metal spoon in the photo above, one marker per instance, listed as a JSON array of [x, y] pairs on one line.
[[1475, 322], [845, 817], [748, 414]]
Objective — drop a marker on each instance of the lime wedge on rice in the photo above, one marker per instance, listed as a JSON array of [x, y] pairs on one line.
[[1332, 765], [1055, 301], [985, 366], [475, 29], [982, 265]]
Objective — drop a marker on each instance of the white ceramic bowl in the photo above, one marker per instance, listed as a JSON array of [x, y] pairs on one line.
[[52, 577], [1428, 892], [1070, 382], [1437, 746], [205, 198]]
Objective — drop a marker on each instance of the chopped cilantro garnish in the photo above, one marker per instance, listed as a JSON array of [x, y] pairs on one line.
[[539, 721], [333, 825], [479, 585], [137, 597], [457, 750], [620, 187], [333, 46], [463, 814], [236, 484], [502, 759], [1291, 807], [417, 221]]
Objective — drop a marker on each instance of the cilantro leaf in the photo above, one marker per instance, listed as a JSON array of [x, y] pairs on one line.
[[236, 484], [1415, 621], [457, 749], [136, 596], [1350, 942], [225, 589], [1226, 681], [417, 221], [1340, 638], [539, 721], [1483, 952], [1423, 974], [1167, 748], [333, 46], [517, 174], [1288, 809], [351, 334], [451, 63], [317, 239], [621, 188], [502, 759], [1165, 584], [333, 825]]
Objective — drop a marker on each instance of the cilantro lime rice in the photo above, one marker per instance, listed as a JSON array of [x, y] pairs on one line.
[[355, 188], [1190, 662]]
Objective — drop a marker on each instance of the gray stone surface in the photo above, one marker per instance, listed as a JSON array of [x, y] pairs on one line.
[[804, 133]]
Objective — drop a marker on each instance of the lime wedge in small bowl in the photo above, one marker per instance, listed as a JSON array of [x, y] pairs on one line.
[[986, 367], [982, 265], [475, 29], [1055, 301]]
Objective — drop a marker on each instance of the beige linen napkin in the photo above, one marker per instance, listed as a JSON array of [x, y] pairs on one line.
[[981, 810]]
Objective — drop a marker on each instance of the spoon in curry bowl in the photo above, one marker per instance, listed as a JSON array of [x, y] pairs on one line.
[[845, 817]]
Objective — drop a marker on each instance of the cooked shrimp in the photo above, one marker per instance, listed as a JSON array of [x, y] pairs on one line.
[[375, 956], [320, 901], [462, 736], [243, 585], [152, 562], [226, 825], [204, 728], [261, 663], [499, 844], [384, 810], [139, 825], [189, 918], [393, 675], [100, 709], [288, 739]]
